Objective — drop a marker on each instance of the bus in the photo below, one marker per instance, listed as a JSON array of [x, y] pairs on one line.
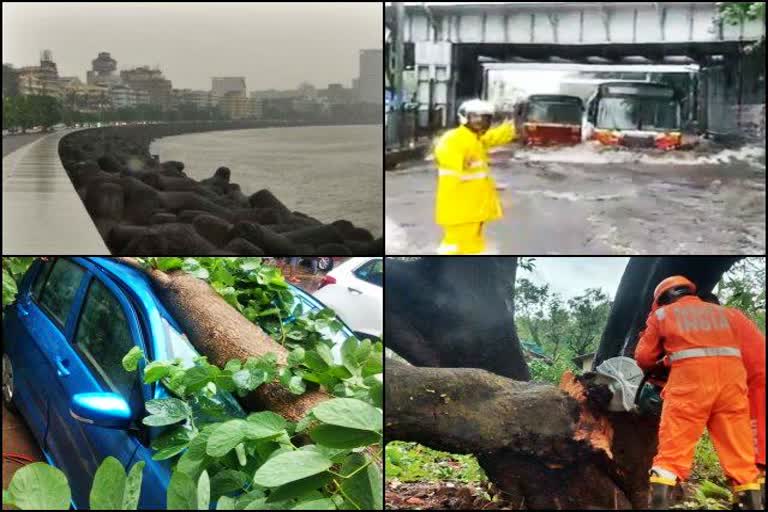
[[635, 114], [545, 119]]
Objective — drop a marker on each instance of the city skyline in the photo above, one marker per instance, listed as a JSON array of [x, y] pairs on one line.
[[320, 60]]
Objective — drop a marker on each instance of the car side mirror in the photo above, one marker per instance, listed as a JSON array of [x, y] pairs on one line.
[[108, 410]]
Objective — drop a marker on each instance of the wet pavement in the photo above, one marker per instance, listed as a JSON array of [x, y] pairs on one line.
[[594, 200], [13, 142], [42, 213]]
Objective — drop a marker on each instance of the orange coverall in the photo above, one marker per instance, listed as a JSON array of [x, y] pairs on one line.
[[701, 391]]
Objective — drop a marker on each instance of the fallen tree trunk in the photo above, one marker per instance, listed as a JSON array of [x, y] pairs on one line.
[[544, 447], [219, 331]]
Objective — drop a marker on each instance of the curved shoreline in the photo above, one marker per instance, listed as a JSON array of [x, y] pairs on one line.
[[142, 206]]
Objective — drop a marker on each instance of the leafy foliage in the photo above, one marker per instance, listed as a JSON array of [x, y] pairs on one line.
[[412, 462], [13, 270], [261, 461]]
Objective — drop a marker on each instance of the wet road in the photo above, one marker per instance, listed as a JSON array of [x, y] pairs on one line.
[[42, 213], [13, 142], [590, 200]]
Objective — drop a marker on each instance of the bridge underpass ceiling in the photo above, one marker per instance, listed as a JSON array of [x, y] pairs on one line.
[[612, 53]]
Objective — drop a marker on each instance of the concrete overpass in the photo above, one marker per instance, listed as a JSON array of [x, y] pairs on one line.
[[450, 39], [42, 213]]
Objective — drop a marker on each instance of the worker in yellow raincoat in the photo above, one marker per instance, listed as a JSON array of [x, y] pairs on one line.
[[466, 192]]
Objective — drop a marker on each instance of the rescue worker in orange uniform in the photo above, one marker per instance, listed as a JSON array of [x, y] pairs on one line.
[[466, 192], [707, 387], [753, 356]]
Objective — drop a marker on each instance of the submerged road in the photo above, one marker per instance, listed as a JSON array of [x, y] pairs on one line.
[[584, 200], [42, 213]]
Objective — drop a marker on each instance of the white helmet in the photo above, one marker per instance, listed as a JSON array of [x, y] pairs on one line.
[[474, 106]]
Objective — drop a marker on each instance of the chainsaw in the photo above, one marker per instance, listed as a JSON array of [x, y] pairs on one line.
[[632, 389]]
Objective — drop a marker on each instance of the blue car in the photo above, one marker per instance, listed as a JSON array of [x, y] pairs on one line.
[[64, 339]]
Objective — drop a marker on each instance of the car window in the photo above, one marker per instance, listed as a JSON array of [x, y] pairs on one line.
[[372, 272], [60, 289], [103, 337], [42, 275]]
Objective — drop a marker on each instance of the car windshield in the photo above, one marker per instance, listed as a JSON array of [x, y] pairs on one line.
[[638, 113], [554, 111]]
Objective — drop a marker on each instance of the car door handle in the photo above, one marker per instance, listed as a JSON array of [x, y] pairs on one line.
[[61, 367], [354, 290]]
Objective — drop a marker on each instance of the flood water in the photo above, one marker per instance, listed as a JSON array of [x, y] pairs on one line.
[[328, 172], [592, 200]]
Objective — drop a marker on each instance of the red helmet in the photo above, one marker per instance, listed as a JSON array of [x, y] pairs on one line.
[[672, 282]]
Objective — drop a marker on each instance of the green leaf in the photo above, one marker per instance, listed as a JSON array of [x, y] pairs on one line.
[[296, 385], [301, 487], [132, 490], [296, 357], [203, 491], [195, 459], [225, 503], [267, 312], [7, 501], [264, 425], [39, 486], [156, 370], [172, 407], [249, 379], [108, 485], [192, 266], [181, 493], [248, 264], [244, 500], [354, 354], [289, 467], [304, 422], [166, 264], [166, 411], [315, 504], [226, 481], [225, 437], [196, 379], [364, 488], [171, 443], [324, 352], [350, 413], [233, 365], [132, 358], [334, 436], [240, 452]]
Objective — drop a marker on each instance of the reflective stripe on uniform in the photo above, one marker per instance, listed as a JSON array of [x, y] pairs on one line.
[[463, 176], [474, 176], [705, 352], [747, 487], [447, 249], [659, 480]]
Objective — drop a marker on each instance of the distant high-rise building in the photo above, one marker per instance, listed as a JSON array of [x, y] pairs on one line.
[[234, 104], [103, 71], [371, 82], [221, 85], [42, 79], [150, 80]]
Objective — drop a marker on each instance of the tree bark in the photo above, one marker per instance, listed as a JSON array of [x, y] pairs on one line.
[[219, 331], [454, 312], [545, 448]]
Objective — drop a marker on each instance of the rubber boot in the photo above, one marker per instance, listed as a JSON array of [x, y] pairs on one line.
[[749, 500], [660, 496]]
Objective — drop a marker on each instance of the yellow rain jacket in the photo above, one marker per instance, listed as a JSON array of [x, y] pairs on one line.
[[465, 190]]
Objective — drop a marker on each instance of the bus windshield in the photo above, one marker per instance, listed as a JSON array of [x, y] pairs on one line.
[[638, 113], [553, 111]]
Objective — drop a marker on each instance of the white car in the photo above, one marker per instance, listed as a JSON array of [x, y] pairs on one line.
[[354, 291]]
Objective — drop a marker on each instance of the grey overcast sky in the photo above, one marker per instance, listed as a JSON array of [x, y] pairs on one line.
[[571, 276], [274, 45]]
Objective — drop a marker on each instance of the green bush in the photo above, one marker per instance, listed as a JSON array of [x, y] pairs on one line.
[[412, 462]]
